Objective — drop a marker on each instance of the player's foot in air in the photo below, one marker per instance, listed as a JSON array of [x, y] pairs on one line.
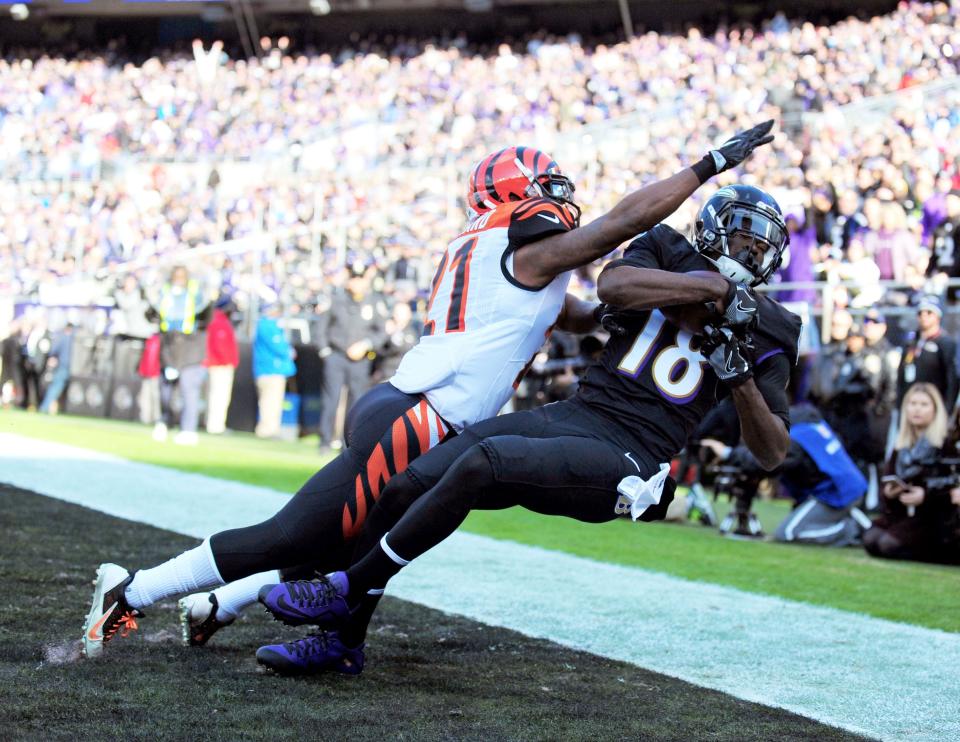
[[198, 618], [110, 611], [322, 652], [321, 601]]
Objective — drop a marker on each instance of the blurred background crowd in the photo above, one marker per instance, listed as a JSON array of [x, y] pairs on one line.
[[290, 203]]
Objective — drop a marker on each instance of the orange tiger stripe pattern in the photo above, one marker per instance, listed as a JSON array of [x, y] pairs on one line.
[[410, 435]]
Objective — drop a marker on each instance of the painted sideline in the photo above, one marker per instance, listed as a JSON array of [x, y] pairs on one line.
[[876, 677]]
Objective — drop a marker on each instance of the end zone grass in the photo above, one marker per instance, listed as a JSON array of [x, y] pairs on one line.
[[429, 676], [925, 595]]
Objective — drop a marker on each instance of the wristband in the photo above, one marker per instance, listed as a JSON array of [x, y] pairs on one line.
[[704, 169]]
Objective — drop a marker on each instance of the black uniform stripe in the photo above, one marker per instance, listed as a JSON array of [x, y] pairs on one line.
[[488, 176]]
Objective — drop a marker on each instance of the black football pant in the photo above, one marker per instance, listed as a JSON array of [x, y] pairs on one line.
[[315, 530], [562, 459]]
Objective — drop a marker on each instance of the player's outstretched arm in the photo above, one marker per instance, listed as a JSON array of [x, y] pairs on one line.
[[539, 262]]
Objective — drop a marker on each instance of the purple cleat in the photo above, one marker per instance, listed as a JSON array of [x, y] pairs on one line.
[[321, 602], [323, 652]]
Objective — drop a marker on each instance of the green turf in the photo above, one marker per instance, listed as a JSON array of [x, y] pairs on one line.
[[926, 595], [429, 676]]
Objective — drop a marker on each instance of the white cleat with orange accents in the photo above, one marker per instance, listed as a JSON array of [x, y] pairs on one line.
[[110, 611]]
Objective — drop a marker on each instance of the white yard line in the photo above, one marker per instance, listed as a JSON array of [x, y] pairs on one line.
[[880, 678]]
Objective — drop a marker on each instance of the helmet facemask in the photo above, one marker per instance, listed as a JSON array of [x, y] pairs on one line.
[[717, 229], [554, 186]]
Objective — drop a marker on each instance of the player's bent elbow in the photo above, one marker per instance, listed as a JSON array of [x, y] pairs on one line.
[[613, 285]]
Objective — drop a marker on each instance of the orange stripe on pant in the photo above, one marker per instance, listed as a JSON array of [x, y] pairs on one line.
[[394, 446], [421, 425]]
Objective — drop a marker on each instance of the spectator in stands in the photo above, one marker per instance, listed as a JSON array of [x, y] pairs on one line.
[[802, 252], [849, 222], [11, 366], [348, 335], [61, 351], [827, 364], [934, 203], [148, 398], [273, 363], [36, 346], [916, 519], [930, 355], [222, 358], [854, 390], [183, 310], [880, 360], [130, 319], [945, 252], [888, 242], [400, 336]]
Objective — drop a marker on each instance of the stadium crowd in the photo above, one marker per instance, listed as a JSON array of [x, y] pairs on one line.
[[369, 144], [316, 168]]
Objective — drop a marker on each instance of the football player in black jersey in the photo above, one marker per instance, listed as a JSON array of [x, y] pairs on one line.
[[604, 452]]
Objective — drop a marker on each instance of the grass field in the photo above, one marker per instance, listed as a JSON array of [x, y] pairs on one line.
[[430, 676], [925, 595]]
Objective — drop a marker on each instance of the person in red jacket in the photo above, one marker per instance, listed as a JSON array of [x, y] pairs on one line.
[[222, 358], [148, 400]]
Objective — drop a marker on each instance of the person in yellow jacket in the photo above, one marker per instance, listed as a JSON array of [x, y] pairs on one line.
[[183, 311]]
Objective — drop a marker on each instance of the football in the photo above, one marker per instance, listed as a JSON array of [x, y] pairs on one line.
[[691, 317]]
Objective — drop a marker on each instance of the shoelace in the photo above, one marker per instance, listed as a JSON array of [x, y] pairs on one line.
[[127, 621], [312, 593], [310, 645]]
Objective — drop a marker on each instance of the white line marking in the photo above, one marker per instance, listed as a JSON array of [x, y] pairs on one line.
[[876, 677]]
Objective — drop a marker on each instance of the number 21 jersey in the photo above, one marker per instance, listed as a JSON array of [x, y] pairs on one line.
[[483, 326]]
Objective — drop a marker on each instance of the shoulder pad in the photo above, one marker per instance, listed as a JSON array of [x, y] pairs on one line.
[[543, 208]]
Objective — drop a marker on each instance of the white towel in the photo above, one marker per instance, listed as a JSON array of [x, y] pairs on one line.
[[642, 493]]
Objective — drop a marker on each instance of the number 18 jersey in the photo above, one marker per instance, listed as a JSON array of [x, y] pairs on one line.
[[654, 382], [483, 326]]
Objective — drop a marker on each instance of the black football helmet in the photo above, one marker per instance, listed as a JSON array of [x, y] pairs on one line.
[[747, 210]]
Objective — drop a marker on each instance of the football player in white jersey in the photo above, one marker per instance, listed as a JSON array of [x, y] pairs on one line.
[[499, 289]]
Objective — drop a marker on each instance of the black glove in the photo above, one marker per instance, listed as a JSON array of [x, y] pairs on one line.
[[726, 354], [742, 309], [733, 151], [609, 319]]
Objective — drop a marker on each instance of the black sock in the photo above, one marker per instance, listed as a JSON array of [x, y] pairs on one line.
[[355, 632], [371, 572]]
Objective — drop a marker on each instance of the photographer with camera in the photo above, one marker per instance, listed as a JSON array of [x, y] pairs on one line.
[[817, 473], [919, 504], [855, 387]]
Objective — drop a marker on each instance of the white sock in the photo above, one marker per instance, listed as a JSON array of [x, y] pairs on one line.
[[235, 597], [190, 572]]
